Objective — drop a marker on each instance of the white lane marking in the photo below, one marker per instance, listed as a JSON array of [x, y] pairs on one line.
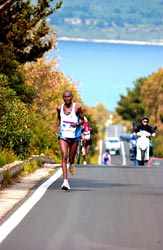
[[100, 152], [116, 131], [123, 153], [22, 211]]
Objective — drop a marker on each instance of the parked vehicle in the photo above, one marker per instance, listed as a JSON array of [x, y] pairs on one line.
[[113, 144]]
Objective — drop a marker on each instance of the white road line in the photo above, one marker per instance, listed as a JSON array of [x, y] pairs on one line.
[[100, 153], [7, 227], [123, 154], [116, 131]]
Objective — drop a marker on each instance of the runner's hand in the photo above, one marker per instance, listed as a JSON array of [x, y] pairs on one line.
[[74, 125]]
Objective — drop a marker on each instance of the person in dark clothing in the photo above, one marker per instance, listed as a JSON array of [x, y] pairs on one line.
[[144, 125]]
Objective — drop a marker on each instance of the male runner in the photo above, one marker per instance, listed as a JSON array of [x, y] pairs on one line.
[[70, 116]]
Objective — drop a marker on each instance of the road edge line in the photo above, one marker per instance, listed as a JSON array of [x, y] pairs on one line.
[[12, 222], [123, 154]]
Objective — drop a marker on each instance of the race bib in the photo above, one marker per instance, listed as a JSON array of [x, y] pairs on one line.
[[67, 131]]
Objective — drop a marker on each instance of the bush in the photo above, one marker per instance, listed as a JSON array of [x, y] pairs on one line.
[[158, 146], [15, 132], [7, 156], [43, 140], [30, 167]]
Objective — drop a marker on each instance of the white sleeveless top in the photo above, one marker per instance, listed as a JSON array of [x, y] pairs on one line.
[[66, 130]]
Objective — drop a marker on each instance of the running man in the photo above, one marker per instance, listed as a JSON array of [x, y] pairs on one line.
[[86, 139], [70, 116]]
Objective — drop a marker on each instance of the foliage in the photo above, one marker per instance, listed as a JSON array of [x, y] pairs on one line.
[[131, 106], [24, 30], [7, 156], [43, 140], [29, 167], [146, 98], [24, 36], [158, 145], [15, 126], [100, 115], [6, 179], [153, 88], [49, 84]]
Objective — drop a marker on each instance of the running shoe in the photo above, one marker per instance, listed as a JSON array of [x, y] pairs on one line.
[[72, 170], [65, 185]]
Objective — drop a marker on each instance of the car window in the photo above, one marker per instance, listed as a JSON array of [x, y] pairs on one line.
[[113, 141]]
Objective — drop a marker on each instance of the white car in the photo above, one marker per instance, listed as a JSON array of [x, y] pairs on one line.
[[113, 144]]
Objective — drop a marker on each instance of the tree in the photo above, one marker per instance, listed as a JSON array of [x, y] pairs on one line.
[[24, 36], [131, 107], [24, 30], [15, 122], [152, 95]]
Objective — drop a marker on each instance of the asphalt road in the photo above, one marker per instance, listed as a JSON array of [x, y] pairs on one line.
[[108, 208]]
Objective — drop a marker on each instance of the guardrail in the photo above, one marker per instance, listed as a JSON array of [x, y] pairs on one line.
[[16, 167]]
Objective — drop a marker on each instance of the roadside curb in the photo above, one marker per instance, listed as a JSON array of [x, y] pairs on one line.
[[11, 196], [15, 168]]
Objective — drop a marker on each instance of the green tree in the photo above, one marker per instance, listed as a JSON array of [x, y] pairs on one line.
[[24, 36], [24, 29], [130, 107], [152, 95], [15, 122]]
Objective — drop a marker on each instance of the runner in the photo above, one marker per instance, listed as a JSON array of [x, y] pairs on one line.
[[106, 158], [86, 139], [70, 116]]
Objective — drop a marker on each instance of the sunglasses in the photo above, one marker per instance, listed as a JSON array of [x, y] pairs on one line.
[[67, 96]]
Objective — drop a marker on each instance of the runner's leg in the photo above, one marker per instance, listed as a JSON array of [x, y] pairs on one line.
[[72, 152], [64, 154], [86, 146], [84, 150], [72, 155]]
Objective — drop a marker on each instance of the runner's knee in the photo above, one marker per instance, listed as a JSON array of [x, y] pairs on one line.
[[64, 157]]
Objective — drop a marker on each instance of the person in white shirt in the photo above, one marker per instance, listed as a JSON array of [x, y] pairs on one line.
[[70, 117]]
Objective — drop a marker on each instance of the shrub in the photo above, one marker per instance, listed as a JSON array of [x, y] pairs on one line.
[[158, 146], [15, 132], [30, 167], [7, 156], [44, 139]]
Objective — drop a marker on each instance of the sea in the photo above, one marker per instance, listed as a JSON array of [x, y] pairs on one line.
[[104, 71]]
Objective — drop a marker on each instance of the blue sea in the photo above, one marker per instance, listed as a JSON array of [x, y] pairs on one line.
[[104, 71]]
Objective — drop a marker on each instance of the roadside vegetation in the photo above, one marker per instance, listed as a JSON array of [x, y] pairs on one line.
[[145, 98]]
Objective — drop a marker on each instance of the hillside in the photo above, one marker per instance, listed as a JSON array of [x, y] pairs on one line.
[[110, 19]]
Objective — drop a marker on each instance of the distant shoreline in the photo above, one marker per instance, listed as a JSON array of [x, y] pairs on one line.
[[111, 41]]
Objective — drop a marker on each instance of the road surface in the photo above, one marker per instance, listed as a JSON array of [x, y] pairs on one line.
[[109, 208]]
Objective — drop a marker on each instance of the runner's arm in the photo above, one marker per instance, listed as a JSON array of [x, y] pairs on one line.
[[80, 113], [58, 116]]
